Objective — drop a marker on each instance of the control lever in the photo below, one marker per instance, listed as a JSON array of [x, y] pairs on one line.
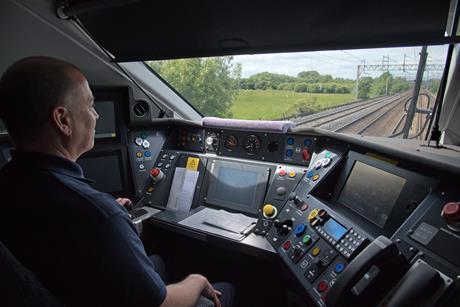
[[418, 287], [379, 251], [132, 209], [293, 196], [283, 227]]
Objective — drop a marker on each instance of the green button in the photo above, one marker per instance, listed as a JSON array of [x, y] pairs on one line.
[[328, 154], [144, 135], [306, 239]]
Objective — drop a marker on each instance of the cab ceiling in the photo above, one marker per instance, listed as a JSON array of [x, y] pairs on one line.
[[148, 30]]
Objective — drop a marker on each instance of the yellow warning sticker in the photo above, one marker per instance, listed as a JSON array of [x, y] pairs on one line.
[[192, 163]]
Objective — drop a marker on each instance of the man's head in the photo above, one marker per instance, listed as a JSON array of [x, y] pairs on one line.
[[48, 100]]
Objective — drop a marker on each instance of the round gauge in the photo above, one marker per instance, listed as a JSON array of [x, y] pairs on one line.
[[251, 144], [231, 142]]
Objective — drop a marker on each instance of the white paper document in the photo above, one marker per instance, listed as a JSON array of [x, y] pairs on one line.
[[230, 225], [182, 190]]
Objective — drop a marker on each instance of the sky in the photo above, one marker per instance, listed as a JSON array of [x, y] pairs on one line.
[[340, 63]]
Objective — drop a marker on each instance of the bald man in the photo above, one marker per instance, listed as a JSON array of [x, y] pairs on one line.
[[79, 242]]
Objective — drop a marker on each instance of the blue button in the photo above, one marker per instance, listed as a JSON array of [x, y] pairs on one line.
[[339, 267], [147, 154], [299, 229], [310, 174], [290, 141], [289, 152], [307, 142]]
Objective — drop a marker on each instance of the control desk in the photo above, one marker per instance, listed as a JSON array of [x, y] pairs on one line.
[[354, 221]]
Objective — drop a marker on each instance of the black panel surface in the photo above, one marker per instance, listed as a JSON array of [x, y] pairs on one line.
[[196, 29]]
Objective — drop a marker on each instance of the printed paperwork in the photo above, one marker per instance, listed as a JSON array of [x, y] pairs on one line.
[[231, 225], [182, 190]]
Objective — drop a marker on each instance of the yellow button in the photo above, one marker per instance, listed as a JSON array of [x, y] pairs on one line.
[[315, 177], [312, 214], [292, 174], [149, 189], [315, 252], [269, 210], [139, 154]]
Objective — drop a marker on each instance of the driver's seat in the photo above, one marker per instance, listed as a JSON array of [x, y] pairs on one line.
[[19, 285]]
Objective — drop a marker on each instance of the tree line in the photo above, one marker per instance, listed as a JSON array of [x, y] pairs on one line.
[[305, 82], [212, 84]]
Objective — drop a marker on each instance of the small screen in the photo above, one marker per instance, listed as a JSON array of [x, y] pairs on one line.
[[105, 171], [334, 229], [234, 186], [105, 126], [371, 192]]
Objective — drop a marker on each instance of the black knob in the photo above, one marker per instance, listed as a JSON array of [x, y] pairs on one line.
[[129, 206], [319, 263], [297, 250], [283, 227], [293, 196]]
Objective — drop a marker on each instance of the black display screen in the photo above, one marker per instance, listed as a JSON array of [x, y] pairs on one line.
[[106, 125], [371, 192], [105, 171], [236, 186]]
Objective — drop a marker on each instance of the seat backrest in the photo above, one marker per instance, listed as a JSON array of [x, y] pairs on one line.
[[19, 286]]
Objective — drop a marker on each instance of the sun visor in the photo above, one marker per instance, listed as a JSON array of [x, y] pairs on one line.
[[152, 30]]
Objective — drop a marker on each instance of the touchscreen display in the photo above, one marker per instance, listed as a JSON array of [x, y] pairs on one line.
[[371, 192], [236, 186]]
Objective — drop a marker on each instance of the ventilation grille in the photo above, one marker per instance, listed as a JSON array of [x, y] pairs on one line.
[[141, 108]]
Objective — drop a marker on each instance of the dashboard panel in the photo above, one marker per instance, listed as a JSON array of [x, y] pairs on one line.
[[320, 203], [347, 217]]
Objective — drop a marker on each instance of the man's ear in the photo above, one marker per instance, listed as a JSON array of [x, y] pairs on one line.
[[60, 118]]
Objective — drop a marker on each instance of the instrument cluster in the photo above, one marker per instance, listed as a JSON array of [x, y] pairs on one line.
[[273, 147]]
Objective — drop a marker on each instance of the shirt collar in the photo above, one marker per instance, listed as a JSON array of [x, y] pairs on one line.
[[44, 161]]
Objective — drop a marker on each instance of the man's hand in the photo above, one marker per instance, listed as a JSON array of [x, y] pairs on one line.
[[126, 203], [211, 293], [187, 292]]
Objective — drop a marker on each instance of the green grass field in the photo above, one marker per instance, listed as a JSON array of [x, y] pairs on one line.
[[272, 104]]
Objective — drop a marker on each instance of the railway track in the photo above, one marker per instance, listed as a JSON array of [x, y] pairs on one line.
[[372, 117], [324, 117], [380, 116]]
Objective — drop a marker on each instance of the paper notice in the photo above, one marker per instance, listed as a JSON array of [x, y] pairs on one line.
[[182, 189]]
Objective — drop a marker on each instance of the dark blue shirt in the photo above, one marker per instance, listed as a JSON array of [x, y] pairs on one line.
[[78, 241]]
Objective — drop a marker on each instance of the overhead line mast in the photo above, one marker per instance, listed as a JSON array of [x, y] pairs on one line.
[[392, 67]]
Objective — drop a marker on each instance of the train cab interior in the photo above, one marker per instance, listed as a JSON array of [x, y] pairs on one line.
[[292, 214]]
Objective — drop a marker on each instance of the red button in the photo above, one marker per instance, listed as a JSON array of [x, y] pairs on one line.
[[282, 173], [287, 244], [322, 286], [304, 207], [154, 172], [322, 213], [451, 212], [306, 154]]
